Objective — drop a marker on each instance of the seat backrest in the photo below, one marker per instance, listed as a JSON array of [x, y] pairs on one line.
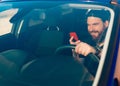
[[49, 41], [41, 42]]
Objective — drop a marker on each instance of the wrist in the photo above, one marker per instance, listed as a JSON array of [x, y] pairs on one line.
[[98, 50]]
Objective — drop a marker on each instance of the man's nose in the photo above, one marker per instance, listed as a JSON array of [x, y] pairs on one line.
[[91, 27]]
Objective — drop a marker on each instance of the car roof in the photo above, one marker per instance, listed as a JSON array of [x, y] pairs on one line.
[[101, 1]]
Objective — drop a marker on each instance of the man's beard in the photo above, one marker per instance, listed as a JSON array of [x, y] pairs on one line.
[[100, 37], [93, 34]]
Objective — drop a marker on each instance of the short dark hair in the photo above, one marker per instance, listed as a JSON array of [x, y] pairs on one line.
[[102, 14]]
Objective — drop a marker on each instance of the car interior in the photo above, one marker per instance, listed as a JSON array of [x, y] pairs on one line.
[[37, 51]]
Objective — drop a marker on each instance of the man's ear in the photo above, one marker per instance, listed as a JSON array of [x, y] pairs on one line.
[[106, 23]]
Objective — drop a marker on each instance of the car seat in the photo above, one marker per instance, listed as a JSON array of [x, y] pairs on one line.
[[34, 44]]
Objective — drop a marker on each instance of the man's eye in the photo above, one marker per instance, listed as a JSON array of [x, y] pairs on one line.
[[96, 24]]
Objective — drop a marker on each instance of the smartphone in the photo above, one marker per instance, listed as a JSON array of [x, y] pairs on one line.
[[74, 35]]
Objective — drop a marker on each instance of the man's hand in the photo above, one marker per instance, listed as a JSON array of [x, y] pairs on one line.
[[72, 42], [84, 49]]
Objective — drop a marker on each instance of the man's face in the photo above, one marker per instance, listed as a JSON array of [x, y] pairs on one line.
[[96, 26]]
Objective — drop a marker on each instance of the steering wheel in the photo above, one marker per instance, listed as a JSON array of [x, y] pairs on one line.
[[62, 48], [90, 60]]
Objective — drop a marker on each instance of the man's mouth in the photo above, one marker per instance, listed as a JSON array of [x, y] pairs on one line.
[[94, 34]]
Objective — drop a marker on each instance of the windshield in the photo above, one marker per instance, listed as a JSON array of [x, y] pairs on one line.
[[71, 39]]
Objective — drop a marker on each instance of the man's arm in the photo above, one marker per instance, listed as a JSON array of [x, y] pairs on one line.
[[82, 48]]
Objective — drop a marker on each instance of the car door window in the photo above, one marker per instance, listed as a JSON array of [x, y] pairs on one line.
[[5, 24]]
